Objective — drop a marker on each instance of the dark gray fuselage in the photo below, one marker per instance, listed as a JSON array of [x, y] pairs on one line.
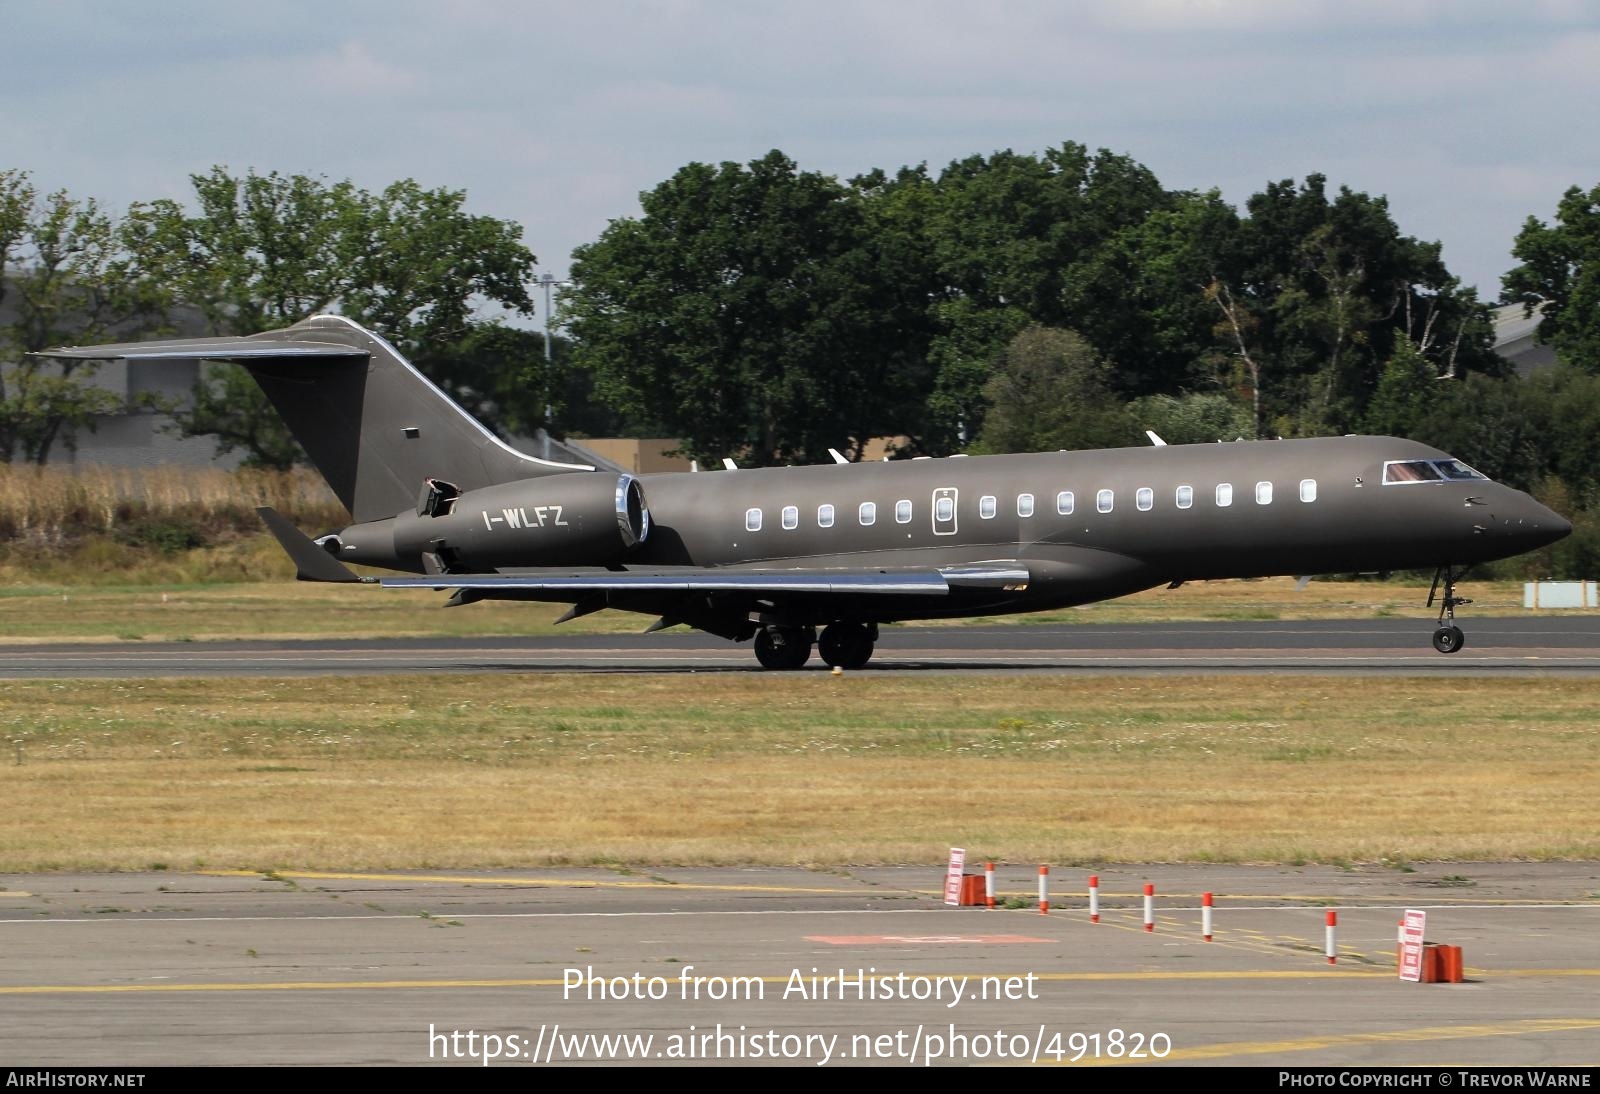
[[1351, 522]]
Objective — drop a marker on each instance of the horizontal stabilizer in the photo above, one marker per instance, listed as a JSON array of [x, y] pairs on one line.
[[311, 563], [206, 349]]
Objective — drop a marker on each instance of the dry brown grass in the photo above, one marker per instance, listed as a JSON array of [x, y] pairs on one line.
[[47, 506], [527, 770]]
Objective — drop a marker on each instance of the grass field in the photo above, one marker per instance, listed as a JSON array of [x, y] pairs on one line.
[[34, 610], [505, 770]]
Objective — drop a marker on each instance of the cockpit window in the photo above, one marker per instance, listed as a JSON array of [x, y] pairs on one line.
[[1410, 471], [1403, 471]]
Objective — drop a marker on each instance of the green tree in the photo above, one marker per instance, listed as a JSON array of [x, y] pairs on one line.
[[1142, 298], [260, 252], [1015, 240], [1050, 390], [1406, 390], [1325, 288], [64, 276], [1560, 277], [747, 310], [1197, 418]]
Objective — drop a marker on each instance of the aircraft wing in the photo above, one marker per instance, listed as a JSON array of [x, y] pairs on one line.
[[923, 582], [720, 601]]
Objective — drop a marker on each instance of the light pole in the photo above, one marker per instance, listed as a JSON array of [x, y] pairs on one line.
[[548, 282]]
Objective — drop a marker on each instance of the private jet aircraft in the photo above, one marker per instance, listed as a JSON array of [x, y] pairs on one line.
[[803, 557]]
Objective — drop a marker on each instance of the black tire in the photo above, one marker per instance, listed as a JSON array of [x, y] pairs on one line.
[[1448, 639], [845, 645], [783, 647]]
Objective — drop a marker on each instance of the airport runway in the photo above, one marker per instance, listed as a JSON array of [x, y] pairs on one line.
[[164, 968], [1568, 644]]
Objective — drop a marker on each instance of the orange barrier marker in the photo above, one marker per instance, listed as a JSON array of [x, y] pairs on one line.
[[988, 884], [1205, 916], [1044, 890], [1450, 965], [1149, 906], [1332, 947], [971, 891], [1094, 898]]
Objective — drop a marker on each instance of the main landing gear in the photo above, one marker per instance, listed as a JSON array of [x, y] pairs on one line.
[[847, 645], [842, 645], [784, 647], [1448, 637]]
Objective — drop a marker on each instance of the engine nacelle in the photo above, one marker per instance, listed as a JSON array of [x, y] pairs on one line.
[[578, 519]]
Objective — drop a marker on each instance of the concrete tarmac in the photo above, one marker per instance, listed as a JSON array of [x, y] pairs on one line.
[[1523, 645], [551, 967]]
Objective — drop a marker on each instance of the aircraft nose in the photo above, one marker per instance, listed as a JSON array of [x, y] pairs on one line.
[[1529, 523]]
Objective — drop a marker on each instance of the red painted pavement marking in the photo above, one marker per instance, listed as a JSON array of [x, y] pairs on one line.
[[922, 939]]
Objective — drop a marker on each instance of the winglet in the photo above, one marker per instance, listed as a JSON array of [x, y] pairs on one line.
[[311, 563]]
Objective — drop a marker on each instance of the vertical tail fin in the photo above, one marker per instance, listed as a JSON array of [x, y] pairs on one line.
[[375, 427]]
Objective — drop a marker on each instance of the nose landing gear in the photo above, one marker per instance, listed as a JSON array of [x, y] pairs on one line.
[[1447, 638]]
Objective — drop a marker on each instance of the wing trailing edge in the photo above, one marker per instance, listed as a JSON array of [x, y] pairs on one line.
[[929, 582]]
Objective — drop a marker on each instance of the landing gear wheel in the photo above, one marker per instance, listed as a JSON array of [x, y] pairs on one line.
[[1448, 638], [783, 647], [846, 645]]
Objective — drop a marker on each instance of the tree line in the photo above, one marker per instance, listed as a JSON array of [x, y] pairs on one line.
[[1007, 302]]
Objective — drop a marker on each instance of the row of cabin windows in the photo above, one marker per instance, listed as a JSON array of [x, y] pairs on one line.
[[944, 506]]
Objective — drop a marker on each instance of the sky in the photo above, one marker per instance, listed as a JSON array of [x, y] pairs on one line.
[[1469, 116]]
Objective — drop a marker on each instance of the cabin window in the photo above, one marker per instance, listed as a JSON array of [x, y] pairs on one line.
[[1455, 469], [1396, 471], [791, 517], [944, 508], [902, 511], [986, 507], [1308, 489], [1024, 505], [1263, 493], [1103, 500], [1064, 503], [752, 520], [824, 516], [1224, 494], [1185, 497], [1144, 498], [867, 513]]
